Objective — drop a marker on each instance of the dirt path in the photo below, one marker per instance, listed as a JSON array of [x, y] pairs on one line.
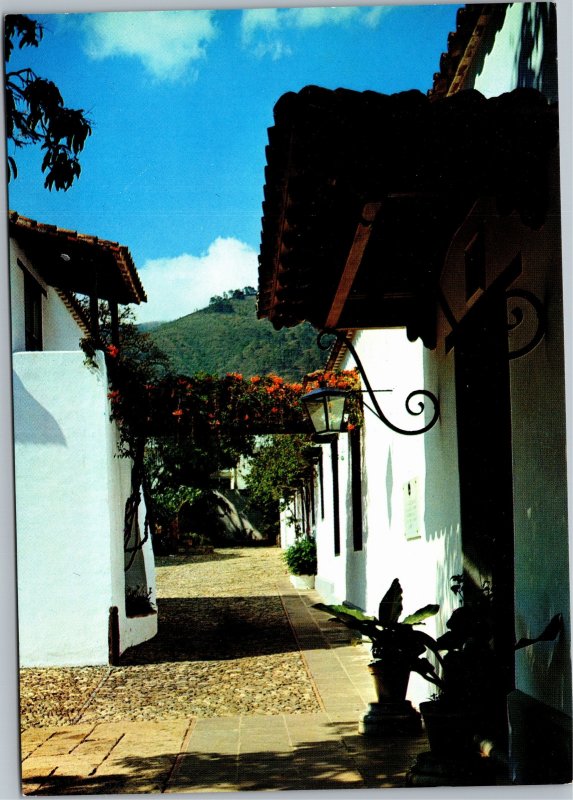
[[224, 647]]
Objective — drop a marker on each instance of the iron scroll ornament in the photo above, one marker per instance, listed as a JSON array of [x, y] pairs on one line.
[[377, 411], [518, 316]]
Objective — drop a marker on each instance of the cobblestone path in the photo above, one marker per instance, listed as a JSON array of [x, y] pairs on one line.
[[224, 648]]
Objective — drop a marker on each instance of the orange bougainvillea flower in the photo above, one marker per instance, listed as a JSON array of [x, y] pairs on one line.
[[178, 412], [255, 379], [112, 350]]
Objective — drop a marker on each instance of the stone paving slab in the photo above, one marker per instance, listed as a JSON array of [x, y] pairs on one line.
[[315, 749]]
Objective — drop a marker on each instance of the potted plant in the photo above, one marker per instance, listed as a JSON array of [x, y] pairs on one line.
[[138, 602], [469, 684], [300, 559], [398, 649], [469, 708]]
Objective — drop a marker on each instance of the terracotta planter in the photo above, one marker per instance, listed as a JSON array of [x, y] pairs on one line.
[[391, 679]]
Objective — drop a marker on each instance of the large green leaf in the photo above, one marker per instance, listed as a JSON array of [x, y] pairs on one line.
[[424, 668], [352, 612], [391, 604], [351, 617], [430, 643], [421, 614]]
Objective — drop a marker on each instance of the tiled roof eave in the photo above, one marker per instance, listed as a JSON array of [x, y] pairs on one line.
[[471, 22], [313, 155], [119, 253]]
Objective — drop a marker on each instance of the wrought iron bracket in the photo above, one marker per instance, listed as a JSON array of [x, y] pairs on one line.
[[377, 410], [518, 314]]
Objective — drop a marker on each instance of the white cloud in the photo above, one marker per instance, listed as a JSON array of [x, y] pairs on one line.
[[178, 286], [166, 42], [261, 28], [255, 18], [319, 16]]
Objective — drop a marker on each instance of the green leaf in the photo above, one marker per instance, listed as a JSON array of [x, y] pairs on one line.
[[424, 668], [421, 614], [352, 612], [428, 642], [350, 617], [391, 604]]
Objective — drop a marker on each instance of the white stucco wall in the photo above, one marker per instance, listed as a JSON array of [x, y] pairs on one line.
[[390, 463], [287, 516], [70, 494], [540, 482], [519, 54], [62, 509], [71, 490], [133, 630]]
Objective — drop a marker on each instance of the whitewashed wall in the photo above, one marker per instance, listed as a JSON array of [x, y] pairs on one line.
[[540, 485], [70, 489], [519, 54], [416, 541], [62, 509], [287, 527], [133, 630], [70, 495]]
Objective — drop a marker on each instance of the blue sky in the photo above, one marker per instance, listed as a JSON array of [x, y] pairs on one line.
[[181, 102]]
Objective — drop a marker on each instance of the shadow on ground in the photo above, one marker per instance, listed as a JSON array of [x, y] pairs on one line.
[[343, 761], [215, 628], [189, 557]]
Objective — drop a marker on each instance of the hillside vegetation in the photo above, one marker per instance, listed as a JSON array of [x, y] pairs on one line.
[[227, 337]]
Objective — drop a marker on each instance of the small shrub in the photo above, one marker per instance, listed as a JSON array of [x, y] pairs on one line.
[[138, 601], [300, 557]]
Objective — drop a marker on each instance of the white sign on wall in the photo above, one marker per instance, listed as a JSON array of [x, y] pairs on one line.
[[412, 509]]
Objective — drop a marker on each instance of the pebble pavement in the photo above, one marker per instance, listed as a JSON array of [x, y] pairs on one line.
[[224, 648], [246, 687]]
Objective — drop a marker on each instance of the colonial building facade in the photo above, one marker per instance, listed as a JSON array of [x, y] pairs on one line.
[[427, 229], [71, 483]]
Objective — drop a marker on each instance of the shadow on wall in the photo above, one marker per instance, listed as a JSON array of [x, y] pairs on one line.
[[389, 486], [534, 67], [33, 424], [549, 665], [539, 25], [450, 565]]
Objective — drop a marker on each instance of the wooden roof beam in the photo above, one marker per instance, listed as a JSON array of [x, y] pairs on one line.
[[353, 261]]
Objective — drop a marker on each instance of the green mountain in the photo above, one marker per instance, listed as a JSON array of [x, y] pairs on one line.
[[227, 337]]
